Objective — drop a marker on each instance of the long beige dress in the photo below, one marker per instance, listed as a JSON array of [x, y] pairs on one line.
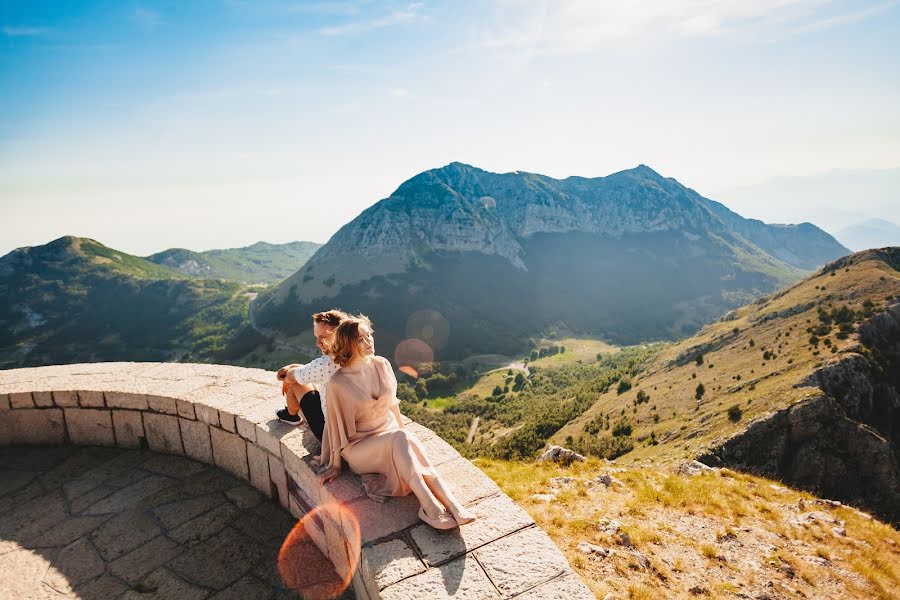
[[360, 427]]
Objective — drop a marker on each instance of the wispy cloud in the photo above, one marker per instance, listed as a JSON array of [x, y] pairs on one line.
[[407, 14], [577, 26], [147, 18], [24, 31]]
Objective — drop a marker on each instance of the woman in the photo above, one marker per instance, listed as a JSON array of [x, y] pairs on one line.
[[363, 426]]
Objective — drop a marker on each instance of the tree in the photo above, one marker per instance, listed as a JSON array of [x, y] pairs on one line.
[[421, 388], [700, 391], [699, 359], [497, 390], [520, 379]]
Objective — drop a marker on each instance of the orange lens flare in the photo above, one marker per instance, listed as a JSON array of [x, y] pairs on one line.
[[305, 569]]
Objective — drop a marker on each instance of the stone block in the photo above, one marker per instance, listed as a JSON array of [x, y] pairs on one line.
[[43, 399], [341, 549], [498, 516], [195, 436], [523, 560], [226, 419], [345, 488], [65, 399], [246, 429], [297, 510], [185, 409], [460, 579], [230, 452], [258, 462], [129, 428], [161, 404], [389, 562], [279, 480], [90, 426], [128, 400], [133, 566], [163, 434], [269, 434], [467, 481], [4, 402], [32, 426], [380, 519], [21, 400], [562, 588], [89, 399], [207, 414]]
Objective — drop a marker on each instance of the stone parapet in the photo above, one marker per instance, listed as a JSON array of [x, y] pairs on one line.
[[224, 415]]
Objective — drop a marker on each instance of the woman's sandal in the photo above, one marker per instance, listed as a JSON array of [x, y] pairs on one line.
[[443, 522]]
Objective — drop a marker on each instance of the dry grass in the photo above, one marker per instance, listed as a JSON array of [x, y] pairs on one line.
[[722, 532]]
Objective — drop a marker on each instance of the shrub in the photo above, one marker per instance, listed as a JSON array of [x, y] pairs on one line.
[[642, 397], [497, 390], [624, 386], [699, 359], [735, 413], [698, 394], [622, 427]]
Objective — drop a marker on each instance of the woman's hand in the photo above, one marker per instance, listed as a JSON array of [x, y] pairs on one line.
[[329, 475]]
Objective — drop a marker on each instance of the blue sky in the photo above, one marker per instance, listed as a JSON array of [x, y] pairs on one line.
[[205, 124]]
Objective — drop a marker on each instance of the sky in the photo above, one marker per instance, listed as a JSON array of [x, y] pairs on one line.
[[212, 124]]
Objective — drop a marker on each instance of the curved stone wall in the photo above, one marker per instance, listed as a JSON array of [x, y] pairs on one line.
[[224, 415]]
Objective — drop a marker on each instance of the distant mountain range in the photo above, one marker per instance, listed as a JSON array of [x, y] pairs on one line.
[[471, 261], [871, 233], [259, 263]]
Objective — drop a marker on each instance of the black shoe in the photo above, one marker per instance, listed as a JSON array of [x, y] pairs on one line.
[[285, 417]]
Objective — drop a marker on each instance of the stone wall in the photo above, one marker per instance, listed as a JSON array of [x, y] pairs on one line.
[[224, 415]]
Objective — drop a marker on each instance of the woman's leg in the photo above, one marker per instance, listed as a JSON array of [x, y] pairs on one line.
[[442, 492]]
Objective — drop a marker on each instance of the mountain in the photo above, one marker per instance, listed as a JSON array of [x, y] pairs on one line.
[[259, 263], [75, 300], [802, 386], [490, 259], [871, 233]]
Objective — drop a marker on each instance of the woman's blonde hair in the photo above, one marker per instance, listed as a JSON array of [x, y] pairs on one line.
[[345, 343]]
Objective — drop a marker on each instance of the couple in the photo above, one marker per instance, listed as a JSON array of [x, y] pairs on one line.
[[349, 399]]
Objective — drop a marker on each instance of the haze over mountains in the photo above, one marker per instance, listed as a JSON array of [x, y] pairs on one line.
[[491, 259]]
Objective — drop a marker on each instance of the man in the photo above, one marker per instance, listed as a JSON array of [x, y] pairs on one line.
[[305, 386]]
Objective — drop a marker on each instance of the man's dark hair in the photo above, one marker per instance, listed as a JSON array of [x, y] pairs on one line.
[[332, 317]]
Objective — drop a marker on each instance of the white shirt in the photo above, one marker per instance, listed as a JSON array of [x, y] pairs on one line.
[[317, 372]]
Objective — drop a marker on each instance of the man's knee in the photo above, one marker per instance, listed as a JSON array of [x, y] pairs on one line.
[[301, 389]]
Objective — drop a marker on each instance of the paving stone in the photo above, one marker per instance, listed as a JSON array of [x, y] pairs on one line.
[[301, 566], [568, 587], [246, 588], [163, 433], [267, 523], [522, 560], [244, 497], [32, 426], [270, 433], [12, 481], [211, 480], [90, 426], [172, 466], [68, 531], [345, 488], [461, 579], [162, 584], [173, 514], [146, 558], [230, 452], [89, 399], [119, 463], [497, 517], [225, 558], [197, 444], [22, 572], [123, 533], [128, 427], [389, 562], [27, 522], [65, 399], [126, 477], [43, 399], [204, 526], [85, 501], [467, 481], [125, 497], [76, 563], [258, 461], [102, 587]]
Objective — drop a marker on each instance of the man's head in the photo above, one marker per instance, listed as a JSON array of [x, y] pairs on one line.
[[324, 324]]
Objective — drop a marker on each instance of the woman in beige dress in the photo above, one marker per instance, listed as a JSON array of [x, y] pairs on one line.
[[363, 426]]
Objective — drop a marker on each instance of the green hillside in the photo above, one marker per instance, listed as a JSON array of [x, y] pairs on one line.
[[261, 263], [75, 300]]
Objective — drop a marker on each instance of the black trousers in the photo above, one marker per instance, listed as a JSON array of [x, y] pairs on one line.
[[311, 406]]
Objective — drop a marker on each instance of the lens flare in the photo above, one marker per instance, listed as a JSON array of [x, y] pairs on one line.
[[430, 326], [411, 354], [309, 572]]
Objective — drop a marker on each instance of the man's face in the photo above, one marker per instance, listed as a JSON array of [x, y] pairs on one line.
[[324, 334]]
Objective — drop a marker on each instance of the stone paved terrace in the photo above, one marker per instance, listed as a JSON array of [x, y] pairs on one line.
[[223, 416]]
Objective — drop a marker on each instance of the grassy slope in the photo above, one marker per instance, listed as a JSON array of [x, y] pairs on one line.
[[686, 426], [715, 535]]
